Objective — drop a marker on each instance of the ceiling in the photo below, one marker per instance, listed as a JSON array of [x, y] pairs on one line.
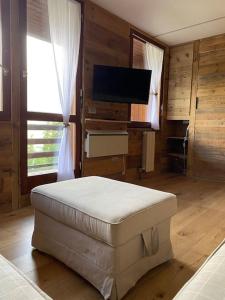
[[171, 21]]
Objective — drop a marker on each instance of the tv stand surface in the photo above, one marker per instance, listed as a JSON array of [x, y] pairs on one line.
[[106, 121], [130, 124]]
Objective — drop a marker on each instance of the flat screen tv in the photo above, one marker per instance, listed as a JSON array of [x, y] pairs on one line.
[[123, 85]]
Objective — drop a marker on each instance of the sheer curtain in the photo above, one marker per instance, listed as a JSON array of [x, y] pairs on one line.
[[154, 62], [65, 29]]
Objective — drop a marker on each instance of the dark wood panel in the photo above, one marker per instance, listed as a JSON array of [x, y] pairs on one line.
[[104, 166], [138, 54], [6, 156]]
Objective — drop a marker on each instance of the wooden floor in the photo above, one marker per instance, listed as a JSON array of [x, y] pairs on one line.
[[197, 229]]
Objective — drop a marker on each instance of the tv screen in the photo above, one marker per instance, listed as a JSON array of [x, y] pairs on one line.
[[124, 85]]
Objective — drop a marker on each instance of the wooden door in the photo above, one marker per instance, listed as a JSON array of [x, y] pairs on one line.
[[208, 156], [41, 117]]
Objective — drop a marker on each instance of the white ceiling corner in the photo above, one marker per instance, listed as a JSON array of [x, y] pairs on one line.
[[171, 21]]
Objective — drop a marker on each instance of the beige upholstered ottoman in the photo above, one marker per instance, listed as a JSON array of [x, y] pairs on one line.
[[110, 232], [14, 285]]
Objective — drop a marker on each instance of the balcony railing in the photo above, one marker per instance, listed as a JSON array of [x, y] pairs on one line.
[[43, 146]]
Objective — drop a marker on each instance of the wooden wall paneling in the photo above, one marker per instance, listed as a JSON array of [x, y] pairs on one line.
[[5, 166], [15, 65], [138, 54], [5, 122], [212, 43], [167, 127], [112, 166], [106, 42], [180, 77], [104, 166], [134, 159], [95, 124], [194, 87], [209, 133]]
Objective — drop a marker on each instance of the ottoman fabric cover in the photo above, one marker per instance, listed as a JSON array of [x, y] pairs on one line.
[[209, 281], [102, 208], [15, 285], [110, 232]]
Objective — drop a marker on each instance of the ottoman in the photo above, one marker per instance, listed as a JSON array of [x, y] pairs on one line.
[[209, 281], [110, 232], [14, 285]]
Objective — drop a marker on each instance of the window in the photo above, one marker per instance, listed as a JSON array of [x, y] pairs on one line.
[[5, 83], [140, 58], [138, 111], [43, 145], [42, 89], [41, 112]]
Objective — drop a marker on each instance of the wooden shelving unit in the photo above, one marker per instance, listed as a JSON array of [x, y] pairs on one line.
[[177, 151]]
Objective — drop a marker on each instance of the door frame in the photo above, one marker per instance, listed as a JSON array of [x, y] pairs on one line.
[[194, 90], [5, 114], [29, 182]]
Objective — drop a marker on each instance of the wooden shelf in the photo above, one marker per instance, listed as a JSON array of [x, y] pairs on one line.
[[103, 124], [106, 121]]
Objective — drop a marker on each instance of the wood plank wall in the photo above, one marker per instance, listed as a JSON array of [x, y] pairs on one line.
[[9, 131], [197, 84], [107, 41], [180, 79], [209, 135], [6, 157]]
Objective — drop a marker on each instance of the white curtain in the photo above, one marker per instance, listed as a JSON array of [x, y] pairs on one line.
[[65, 30], [154, 62]]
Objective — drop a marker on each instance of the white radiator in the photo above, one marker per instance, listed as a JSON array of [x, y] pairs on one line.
[[106, 143], [148, 155]]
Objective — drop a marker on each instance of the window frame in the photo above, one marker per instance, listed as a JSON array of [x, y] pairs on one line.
[[5, 114], [29, 182], [134, 34]]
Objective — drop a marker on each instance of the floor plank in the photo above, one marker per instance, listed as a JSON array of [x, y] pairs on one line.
[[197, 229]]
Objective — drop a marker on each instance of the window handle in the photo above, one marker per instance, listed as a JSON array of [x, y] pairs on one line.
[[197, 103], [5, 71]]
